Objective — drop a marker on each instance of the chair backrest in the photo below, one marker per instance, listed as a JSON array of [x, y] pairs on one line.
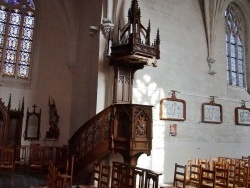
[[117, 175], [239, 176], [195, 175], [220, 159], [127, 176], [65, 179], [50, 174], [7, 156], [231, 171], [36, 153], [151, 179], [138, 177], [96, 176], [247, 173], [105, 176], [238, 162], [180, 175], [70, 165], [246, 159], [220, 164], [207, 178], [221, 177], [61, 154], [204, 163], [48, 154], [20, 153]]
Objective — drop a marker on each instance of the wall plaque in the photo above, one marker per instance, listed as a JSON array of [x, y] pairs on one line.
[[173, 109], [242, 115], [211, 112]]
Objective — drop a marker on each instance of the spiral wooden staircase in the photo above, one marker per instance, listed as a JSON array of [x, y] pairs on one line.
[[122, 127]]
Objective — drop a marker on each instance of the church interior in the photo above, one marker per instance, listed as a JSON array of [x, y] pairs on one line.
[[125, 93]]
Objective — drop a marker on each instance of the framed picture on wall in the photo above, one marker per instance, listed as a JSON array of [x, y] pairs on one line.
[[211, 112], [172, 109], [242, 115]]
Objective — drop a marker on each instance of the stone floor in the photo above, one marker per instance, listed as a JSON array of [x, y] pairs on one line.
[[22, 180]]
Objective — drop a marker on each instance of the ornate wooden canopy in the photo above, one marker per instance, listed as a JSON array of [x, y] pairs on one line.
[[132, 44]]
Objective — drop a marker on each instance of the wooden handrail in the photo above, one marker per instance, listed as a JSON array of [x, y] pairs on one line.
[[92, 139]]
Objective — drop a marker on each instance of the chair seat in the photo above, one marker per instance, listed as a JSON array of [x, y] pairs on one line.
[[179, 178], [6, 166], [65, 176], [36, 165], [195, 182], [86, 186], [20, 162]]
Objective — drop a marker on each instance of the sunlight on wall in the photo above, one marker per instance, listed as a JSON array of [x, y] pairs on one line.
[[147, 92], [156, 161]]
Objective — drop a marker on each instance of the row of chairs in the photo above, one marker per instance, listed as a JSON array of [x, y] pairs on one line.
[[219, 172], [122, 175], [33, 158], [60, 179]]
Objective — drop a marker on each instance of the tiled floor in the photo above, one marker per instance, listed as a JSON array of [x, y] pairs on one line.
[[22, 180]]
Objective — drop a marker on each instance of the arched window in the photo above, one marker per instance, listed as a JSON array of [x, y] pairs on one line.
[[234, 47], [17, 18]]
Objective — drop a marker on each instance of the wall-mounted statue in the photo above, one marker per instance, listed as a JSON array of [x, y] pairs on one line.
[[54, 131]]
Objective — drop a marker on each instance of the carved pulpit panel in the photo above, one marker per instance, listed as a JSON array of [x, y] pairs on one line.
[[123, 85], [132, 133]]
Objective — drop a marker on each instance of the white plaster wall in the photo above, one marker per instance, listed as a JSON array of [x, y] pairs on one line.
[[85, 81]]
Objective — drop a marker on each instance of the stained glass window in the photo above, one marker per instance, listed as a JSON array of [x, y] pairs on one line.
[[234, 47], [17, 20], [13, 2]]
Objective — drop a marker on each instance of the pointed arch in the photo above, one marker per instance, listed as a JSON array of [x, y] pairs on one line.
[[235, 46]]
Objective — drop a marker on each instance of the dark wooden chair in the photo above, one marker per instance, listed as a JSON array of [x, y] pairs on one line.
[[180, 176], [50, 174], [231, 172], [47, 157], [57, 181], [105, 176], [67, 177], [95, 178], [135, 177], [195, 175], [116, 177], [151, 179], [204, 163], [139, 177], [36, 153], [240, 176], [207, 178], [60, 161], [222, 177], [7, 160], [20, 157]]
